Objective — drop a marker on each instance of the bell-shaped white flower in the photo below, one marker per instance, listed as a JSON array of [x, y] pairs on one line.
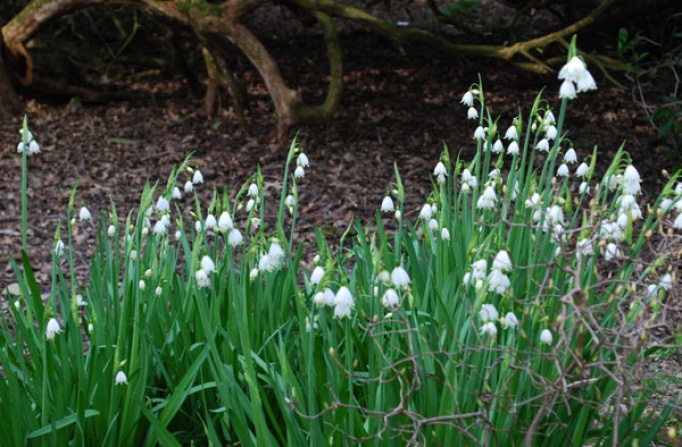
[[207, 264], [52, 329], [111, 231], [189, 186], [469, 179], [479, 133], [197, 178], [162, 204], [440, 169], [488, 199], [567, 90], [498, 282], [302, 160], [224, 222], [253, 190], [611, 251], [631, 181], [59, 248], [467, 99], [445, 234], [510, 320], [387, 205], [426, 212], [390, 298], [142, 285], [120, 378], [400, 278], [498, 147], [511, 134], [513, 148], [176, 194], [488, 312], [551, 132], [582, 170], [562, 171], [472, 113], [202, 278], [677, 223], [479, 269], [161, 226], [235, 238], [502, 261], [543, 145], [489, 328], [317, 275], [570, 156], [84, 214], [299, 172], [546, 337], [555, 215], [343, 303]]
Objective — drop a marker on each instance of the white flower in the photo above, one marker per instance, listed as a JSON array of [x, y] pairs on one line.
[[488, 199], [586, 82], [397, 214], [142, 285], [582, 170], [308, 325], [570, 156], [253, 190], [550, 132], [26, 134], [318, 299], [445, 234], [628, 206], [249, 205], [33, 147], [198, 226], [52, 329], [302, 160], [235, 238], [573, 70], [79, 300], [317, 275], [611, 251], [469, 179], [555, 215], [549, 118], [585, 247], [543, 145], [253, 274], [546, 337], [567, 90], [631, 181], [59, 248], [387, 205], [207, 264], [111, 231], [202, 278], [299, 172], [425, 212], [390, 298], [498, 282], [158, 291], [197, 178], [488, 312], [211, 222], [610, 230], [133, 254], [162, 204], [513, 148], [510, 320], [467, 99], [584, 188], [433, 225], [563, 170], [472, 113], [489, 328], [678, 222], [494, 174], [498, 147], [329, 297], [511, 134], [343, 302], [224, 222], [176, 194], [502, 261], [84, 214], [189, 186], [666, 282], [400, 278], [160, 226], [440, 169], [276, 251], [479, 269], [479, 133], [290, 202], [121, 378]]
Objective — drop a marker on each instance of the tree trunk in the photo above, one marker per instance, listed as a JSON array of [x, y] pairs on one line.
[[9, 100]]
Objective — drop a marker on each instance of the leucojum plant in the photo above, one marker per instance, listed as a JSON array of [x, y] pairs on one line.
[[514, 311]]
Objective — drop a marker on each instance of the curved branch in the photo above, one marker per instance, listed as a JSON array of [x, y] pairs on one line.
[[324, 111]]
